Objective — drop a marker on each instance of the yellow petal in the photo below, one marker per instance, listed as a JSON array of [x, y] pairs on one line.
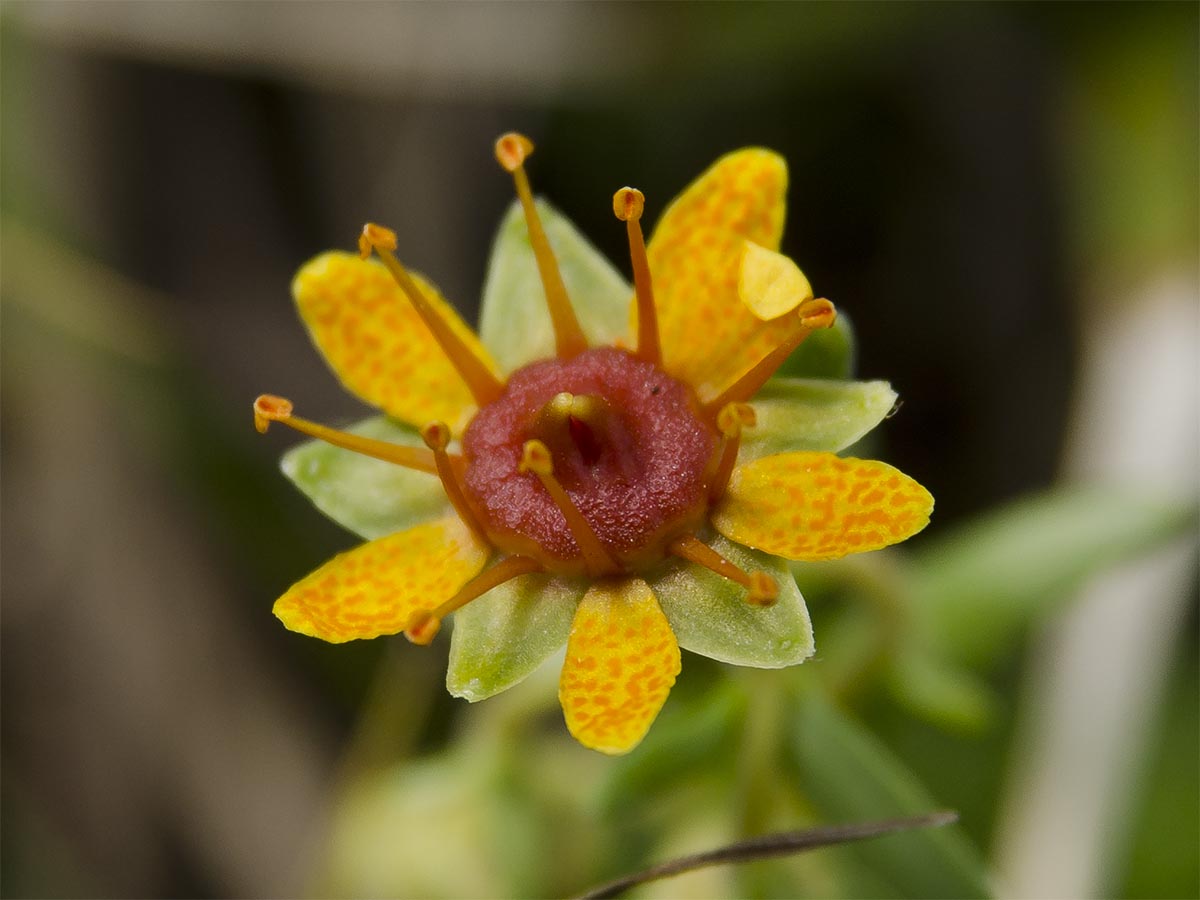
[[814, 506], [709, 336], [373, 589], [770, 283], [377, 344], [622, 659]]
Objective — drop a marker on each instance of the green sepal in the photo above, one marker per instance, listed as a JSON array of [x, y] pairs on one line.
[[827, 353], [797, 414], [368, 496], [514, 323], [710, 616], [501, 637]]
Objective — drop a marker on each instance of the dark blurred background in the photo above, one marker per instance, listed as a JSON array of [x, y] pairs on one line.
[[988, 190]]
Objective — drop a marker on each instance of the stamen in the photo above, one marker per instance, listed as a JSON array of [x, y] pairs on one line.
[[537, 459], [628, 204], [762, 589], [511, 151], [732, 418], [810, 315], [437, 436], [424, 624], [268, 409], [485, 387]]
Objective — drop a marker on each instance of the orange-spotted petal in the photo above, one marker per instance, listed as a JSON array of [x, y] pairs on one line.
[[813, 506], [377, 344], [374, 589], [770, 283], [622, 659], [708, 335]]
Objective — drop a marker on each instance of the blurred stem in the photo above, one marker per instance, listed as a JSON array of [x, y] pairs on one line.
[[394, 712], [757, 776], [876, 583], [770, 845]]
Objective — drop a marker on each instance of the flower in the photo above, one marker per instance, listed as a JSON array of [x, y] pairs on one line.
[[624, 497]]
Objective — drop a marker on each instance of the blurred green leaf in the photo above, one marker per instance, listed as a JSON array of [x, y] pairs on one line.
[[828, 353], [814, 414], [978, 587], [500, 638], [370, 497], [514, 323], [709, 614], [851, 777], [1164, 853], [945, 695]]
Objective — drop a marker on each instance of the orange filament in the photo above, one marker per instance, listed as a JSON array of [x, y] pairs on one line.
[[424, 624], [437, 436], [628, 204], [537, 459], [484, 386], [810, 315], [268, 409], [762, 589], [512, 149], [732, 418]]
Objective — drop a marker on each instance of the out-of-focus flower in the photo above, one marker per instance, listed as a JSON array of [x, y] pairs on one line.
[[624, 499]]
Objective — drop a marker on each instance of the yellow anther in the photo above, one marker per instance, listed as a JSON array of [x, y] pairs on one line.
[[436, 436], [560, 406], [536, 458], [733, 417], [818, 313], [512, 150], [422, 627], [375, 237], [628, 203], [590, 408], [577, 425], [269, 408], [763, 589]]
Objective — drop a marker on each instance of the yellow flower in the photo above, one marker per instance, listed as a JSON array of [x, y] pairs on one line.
[[623, 499]]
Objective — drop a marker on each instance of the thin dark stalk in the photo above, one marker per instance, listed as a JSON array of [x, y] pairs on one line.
[[765, 846]]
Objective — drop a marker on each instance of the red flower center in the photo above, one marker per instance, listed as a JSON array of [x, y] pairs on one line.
[[629, 447]]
